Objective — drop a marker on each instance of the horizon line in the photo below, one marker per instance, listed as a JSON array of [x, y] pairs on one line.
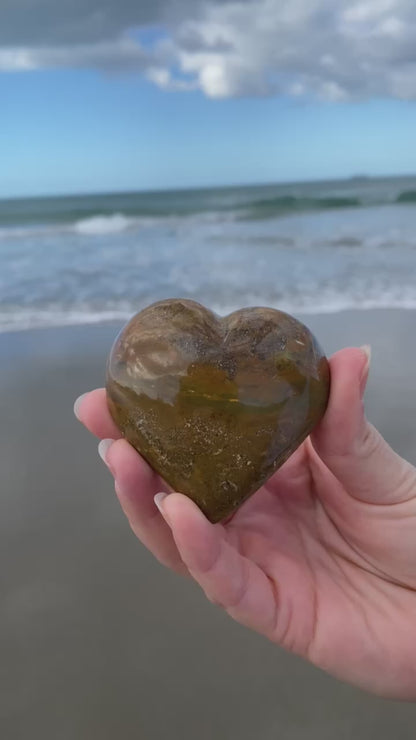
[[189, 188]]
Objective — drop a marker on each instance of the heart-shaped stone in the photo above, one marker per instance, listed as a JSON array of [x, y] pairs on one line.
[[216, 405]]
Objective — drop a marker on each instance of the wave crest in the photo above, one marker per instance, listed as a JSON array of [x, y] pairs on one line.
[[407, 196], [101, 225], [269, 207]]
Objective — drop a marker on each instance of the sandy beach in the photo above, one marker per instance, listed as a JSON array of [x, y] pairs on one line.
[[97, 639]]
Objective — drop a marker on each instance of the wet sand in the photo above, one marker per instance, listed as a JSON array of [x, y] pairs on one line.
[[97, 639]]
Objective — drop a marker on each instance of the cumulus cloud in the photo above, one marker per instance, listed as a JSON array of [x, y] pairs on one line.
[[326, 48], [330, 49]]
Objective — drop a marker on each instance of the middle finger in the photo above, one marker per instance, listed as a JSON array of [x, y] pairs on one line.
[[136, 486]]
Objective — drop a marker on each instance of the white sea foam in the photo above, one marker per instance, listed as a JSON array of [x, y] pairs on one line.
[[342, 303], [32, 319], [101, 225], [24, 319]]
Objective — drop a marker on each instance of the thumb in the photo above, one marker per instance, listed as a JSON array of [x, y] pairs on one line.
[[350, 446]]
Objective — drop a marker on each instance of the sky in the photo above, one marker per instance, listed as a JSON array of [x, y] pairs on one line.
[[110, 95]]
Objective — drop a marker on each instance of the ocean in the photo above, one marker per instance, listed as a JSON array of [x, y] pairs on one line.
[[301, 247]]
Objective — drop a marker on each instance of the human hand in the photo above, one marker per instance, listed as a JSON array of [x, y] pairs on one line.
[[321, 560]]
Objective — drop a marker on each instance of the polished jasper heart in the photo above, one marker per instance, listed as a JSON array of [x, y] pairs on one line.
[[216, 405]]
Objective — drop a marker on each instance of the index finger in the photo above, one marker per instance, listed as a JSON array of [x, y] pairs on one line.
[[91, 409]]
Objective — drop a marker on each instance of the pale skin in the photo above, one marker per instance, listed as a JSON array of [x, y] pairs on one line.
[[321, 560]]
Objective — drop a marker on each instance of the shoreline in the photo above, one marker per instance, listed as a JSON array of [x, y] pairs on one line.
[[81, 351], [301, 315], [120, 321]]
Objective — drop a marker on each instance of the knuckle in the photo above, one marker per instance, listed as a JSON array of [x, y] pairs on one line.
[[214, 600], [369, 444]]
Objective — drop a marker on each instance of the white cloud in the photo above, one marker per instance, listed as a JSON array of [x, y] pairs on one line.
[[305, 47], [330, 49], [162, 77], [123, 54], [16, 60], [368, 11]]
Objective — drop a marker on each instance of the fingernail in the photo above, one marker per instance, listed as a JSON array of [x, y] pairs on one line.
[[366, 350], [78, 404], [103, 448], [159, 499]]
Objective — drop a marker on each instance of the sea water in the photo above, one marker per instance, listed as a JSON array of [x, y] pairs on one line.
[[301, 247]]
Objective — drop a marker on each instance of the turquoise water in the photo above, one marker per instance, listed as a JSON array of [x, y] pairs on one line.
[[303, 247]]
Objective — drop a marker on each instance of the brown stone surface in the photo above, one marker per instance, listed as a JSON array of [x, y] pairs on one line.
[[216, 405]]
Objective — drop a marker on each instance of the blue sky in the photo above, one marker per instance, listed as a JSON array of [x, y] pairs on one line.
[[146, 119]]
